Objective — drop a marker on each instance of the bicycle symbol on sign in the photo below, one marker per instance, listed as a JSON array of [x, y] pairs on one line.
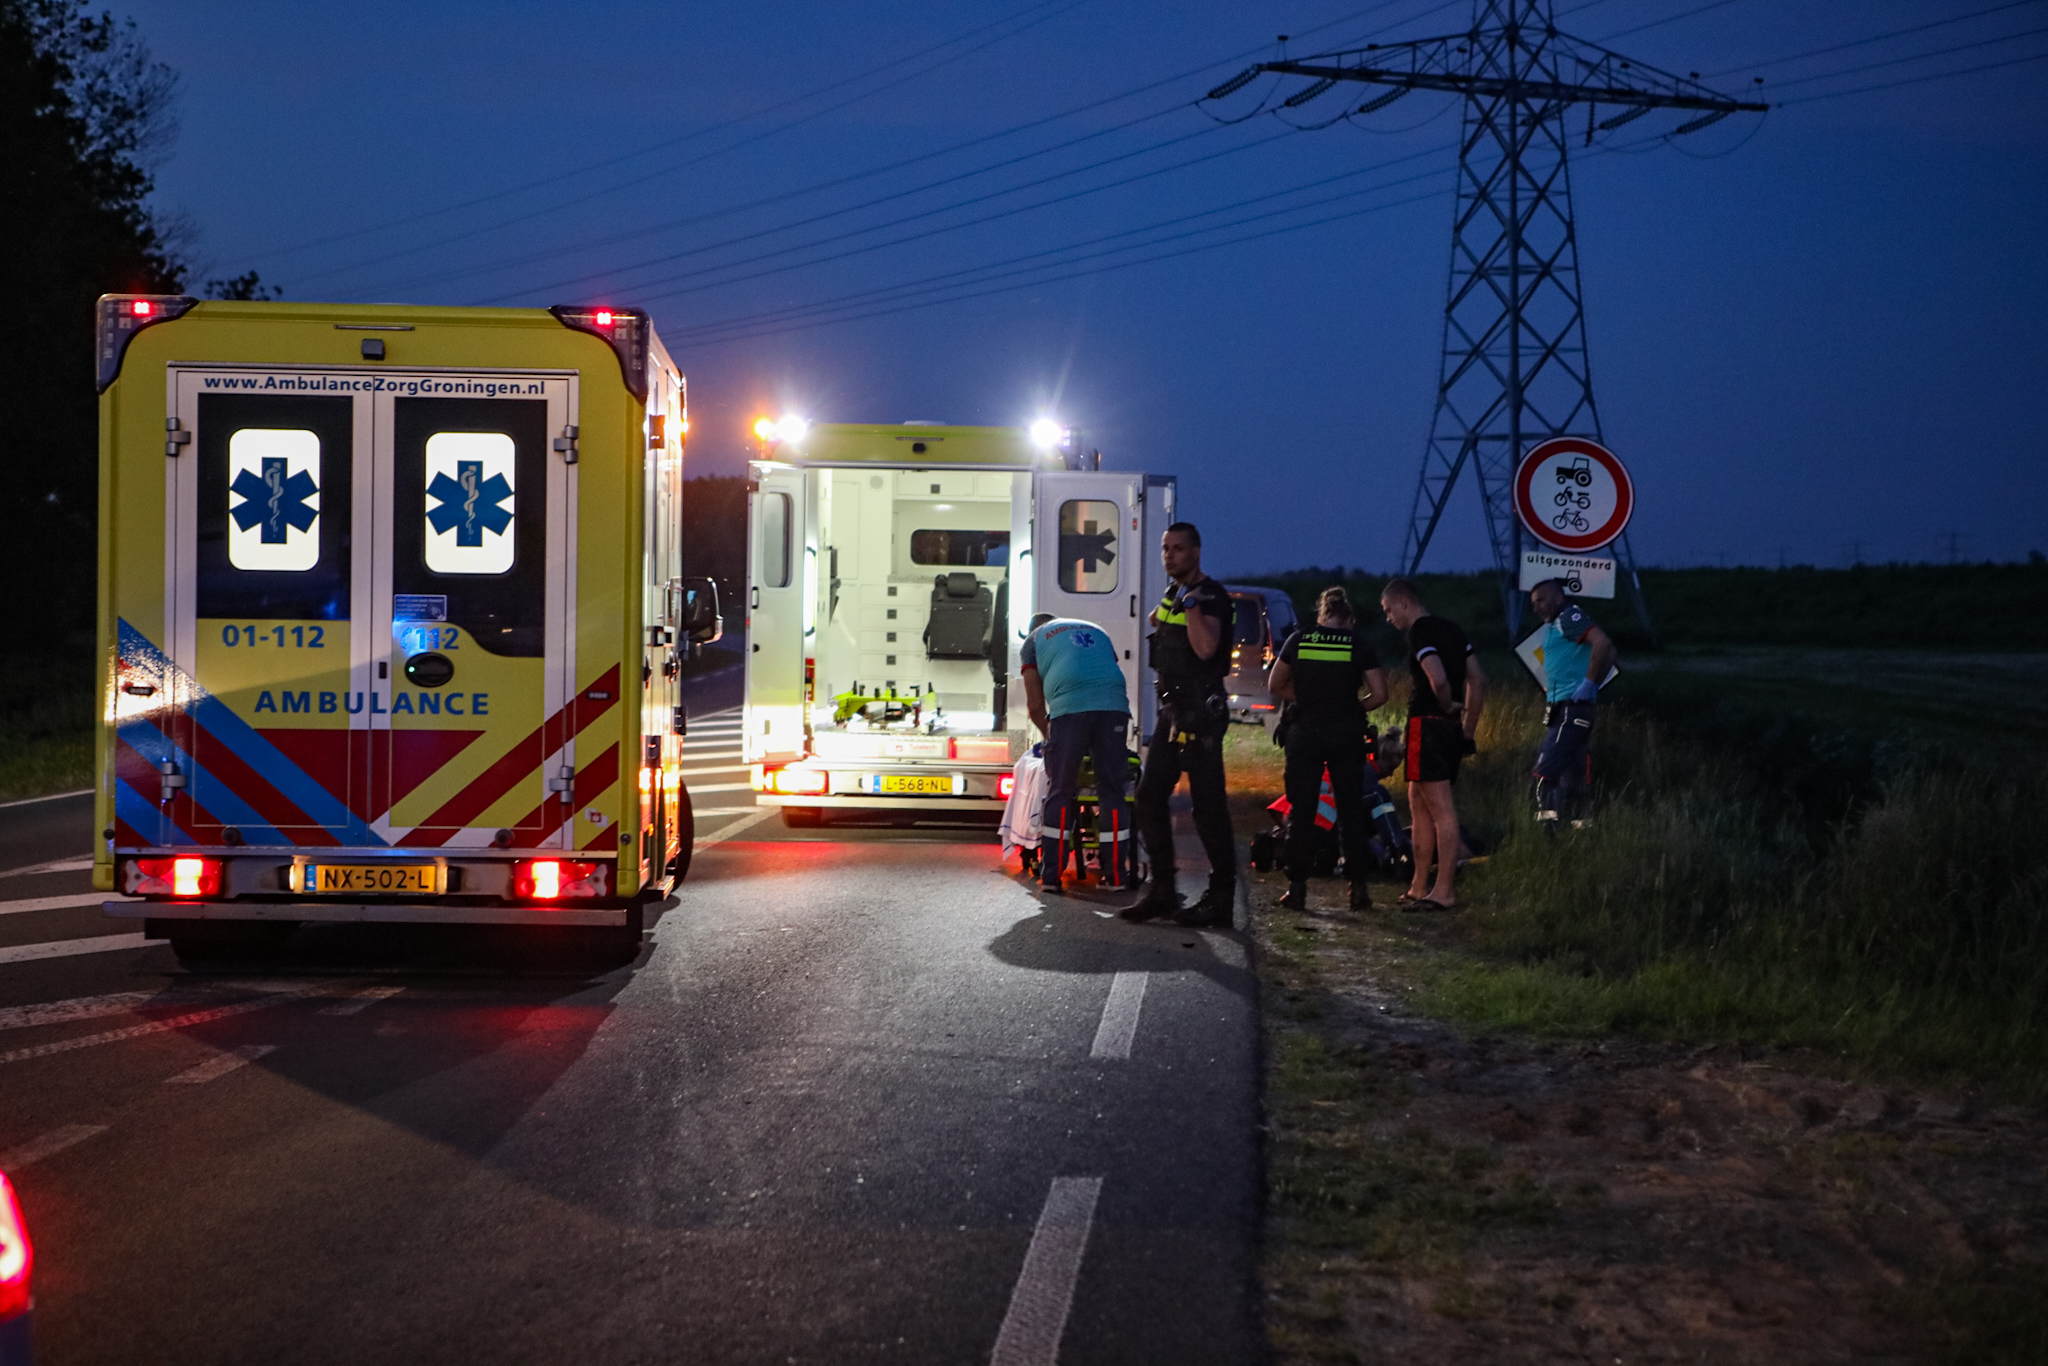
[[1571, 519]]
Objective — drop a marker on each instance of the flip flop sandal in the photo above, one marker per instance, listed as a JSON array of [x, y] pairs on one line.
[[1423, 903], [1408, 899]]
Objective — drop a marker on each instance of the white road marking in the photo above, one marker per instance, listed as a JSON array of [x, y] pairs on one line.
[[1120, 1016], [55, 1141], [713, 768], [220, 1065], [62, 865], [197, 1017], [362, 1000], [53, 797], [721, 787], [68, 948], [761, 813], [1044, 1295], [57, 903], [705, 812], [77, 1008]]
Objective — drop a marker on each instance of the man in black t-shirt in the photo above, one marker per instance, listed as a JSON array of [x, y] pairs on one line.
[[1448, 691], [1333, 680], [1190, 652]]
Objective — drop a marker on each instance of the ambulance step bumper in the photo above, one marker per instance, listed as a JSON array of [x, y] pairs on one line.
[[374, 911]]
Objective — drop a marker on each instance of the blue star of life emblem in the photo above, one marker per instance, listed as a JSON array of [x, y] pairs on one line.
[[274, 500], [469, 503], [1084, 639]]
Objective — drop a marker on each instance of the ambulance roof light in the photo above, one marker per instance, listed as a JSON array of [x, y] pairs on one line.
[[764, 428], [791, 429], [1047, 433]]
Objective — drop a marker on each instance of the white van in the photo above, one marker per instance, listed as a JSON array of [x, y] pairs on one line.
[[891, 574]]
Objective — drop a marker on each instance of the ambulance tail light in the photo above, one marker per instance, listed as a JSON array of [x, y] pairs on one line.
[[625, 330], [552, 879], [799, 782], [17, 1256], [1006, 785], [121, 317], [179, 877]]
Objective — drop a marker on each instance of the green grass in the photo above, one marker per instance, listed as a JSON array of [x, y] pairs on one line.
[[46, 719], [1868, 894]]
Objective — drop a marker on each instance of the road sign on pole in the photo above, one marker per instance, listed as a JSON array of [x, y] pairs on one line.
[[1584, 576], [1573, 493]]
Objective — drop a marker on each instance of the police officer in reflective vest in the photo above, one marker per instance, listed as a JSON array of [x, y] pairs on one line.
[[1334, 680], [1190, 650]]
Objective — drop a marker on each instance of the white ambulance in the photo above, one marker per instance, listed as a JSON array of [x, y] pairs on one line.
[[892, 572]]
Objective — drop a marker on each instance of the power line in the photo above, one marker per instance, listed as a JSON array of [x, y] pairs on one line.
[[951, 279], [927, 156], [1917, 57], [1918, 80], [1874, 38], [1658, 23], [580, 200], [649, 150]]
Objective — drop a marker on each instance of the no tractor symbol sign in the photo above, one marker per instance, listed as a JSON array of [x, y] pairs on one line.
[[1573, 493]]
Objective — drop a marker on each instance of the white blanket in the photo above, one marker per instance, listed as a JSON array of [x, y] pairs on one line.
[[1027, 801]]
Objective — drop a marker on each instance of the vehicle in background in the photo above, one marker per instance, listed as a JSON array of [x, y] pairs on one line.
[[17, 1262], [391, 617], [1265, 618], [892, 572]]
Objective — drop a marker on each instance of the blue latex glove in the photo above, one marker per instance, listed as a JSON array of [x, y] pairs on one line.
[[1587, 691]]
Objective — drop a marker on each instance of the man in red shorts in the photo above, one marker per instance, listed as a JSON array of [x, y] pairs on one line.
[[1448, 691]]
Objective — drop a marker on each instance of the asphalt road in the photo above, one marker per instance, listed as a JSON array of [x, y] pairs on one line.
[[862, 1097]]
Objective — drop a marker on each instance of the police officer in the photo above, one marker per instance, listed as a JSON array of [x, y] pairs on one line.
[[1576, 657], [1190, 659], [1334, 680], [1075, 691]]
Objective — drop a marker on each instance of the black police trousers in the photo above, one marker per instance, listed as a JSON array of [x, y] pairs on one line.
[[1311, 746], [1201, 758]]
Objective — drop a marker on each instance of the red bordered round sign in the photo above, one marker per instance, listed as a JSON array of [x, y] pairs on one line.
[[1573, 494]]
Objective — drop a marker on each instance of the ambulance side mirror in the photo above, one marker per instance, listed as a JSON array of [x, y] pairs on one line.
[[701, 622]]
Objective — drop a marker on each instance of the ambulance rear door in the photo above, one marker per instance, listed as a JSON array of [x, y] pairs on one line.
[[1087, 544], [776, 598]]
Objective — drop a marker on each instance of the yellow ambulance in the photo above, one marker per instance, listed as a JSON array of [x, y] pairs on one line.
[[391, 617]]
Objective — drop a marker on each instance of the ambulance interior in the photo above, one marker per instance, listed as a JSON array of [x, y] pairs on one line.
[[915, 604]]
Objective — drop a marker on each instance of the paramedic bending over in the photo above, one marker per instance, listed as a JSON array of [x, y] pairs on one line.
[[1074, 690]]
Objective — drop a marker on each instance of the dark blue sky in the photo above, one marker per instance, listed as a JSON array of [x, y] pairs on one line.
[[1829, 334]]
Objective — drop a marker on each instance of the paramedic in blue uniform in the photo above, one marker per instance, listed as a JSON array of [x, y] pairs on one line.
[[1334, 679], [1576, 657], [1074, 689], [1190, 650]]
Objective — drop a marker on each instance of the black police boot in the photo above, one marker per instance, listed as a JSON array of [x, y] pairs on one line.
[[1217, 908], [1297, 895], [1156, 904], [1361, 897]]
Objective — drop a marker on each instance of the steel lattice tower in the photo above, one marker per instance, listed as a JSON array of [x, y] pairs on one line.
[[1515, 368]]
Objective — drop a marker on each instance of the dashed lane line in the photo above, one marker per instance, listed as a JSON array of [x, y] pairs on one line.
[[77, 1008], [761, 813], [62, 865], [362, 1000], [56, 903], [1031, 1331], [220, 1065], [67, 948], [1120, 1016], [50, 1144], [186, 1021]]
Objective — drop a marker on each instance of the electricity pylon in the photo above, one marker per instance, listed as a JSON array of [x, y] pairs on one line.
[[1515, 369]]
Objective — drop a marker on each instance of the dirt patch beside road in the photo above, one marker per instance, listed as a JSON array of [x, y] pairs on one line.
[[1443, 1198]]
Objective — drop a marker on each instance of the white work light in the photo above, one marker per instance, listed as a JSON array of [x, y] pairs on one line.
[[1047, 433]]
